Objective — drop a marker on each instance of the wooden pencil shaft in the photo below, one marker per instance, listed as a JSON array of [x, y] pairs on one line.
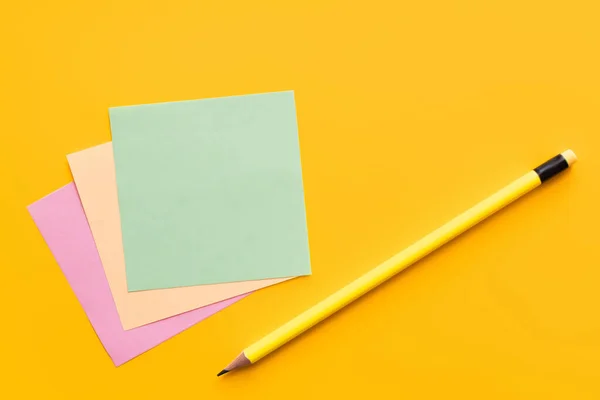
[[408, 256]]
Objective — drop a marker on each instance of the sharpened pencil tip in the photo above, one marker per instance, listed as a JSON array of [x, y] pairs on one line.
[[223, 372]]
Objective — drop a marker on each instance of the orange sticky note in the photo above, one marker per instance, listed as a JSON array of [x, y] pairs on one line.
[[93, 170]]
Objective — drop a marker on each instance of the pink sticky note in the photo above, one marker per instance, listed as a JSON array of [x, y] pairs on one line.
[[61, 220]]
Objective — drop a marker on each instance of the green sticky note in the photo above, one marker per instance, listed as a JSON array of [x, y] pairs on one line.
[[210, 191]]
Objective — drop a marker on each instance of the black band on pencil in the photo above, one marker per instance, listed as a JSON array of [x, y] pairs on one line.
[[551, 167]]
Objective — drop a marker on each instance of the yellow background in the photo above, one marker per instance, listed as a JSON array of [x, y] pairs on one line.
[[409, 113]]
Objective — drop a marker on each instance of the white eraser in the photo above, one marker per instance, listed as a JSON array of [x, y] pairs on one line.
[[569, 156]]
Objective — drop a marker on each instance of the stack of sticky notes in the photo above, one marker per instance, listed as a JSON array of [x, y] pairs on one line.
[[191, 207]]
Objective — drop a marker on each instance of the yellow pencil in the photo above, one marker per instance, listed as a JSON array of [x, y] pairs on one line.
[[400, 261]]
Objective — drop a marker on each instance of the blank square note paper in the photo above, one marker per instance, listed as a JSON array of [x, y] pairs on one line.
[[210, 191]]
